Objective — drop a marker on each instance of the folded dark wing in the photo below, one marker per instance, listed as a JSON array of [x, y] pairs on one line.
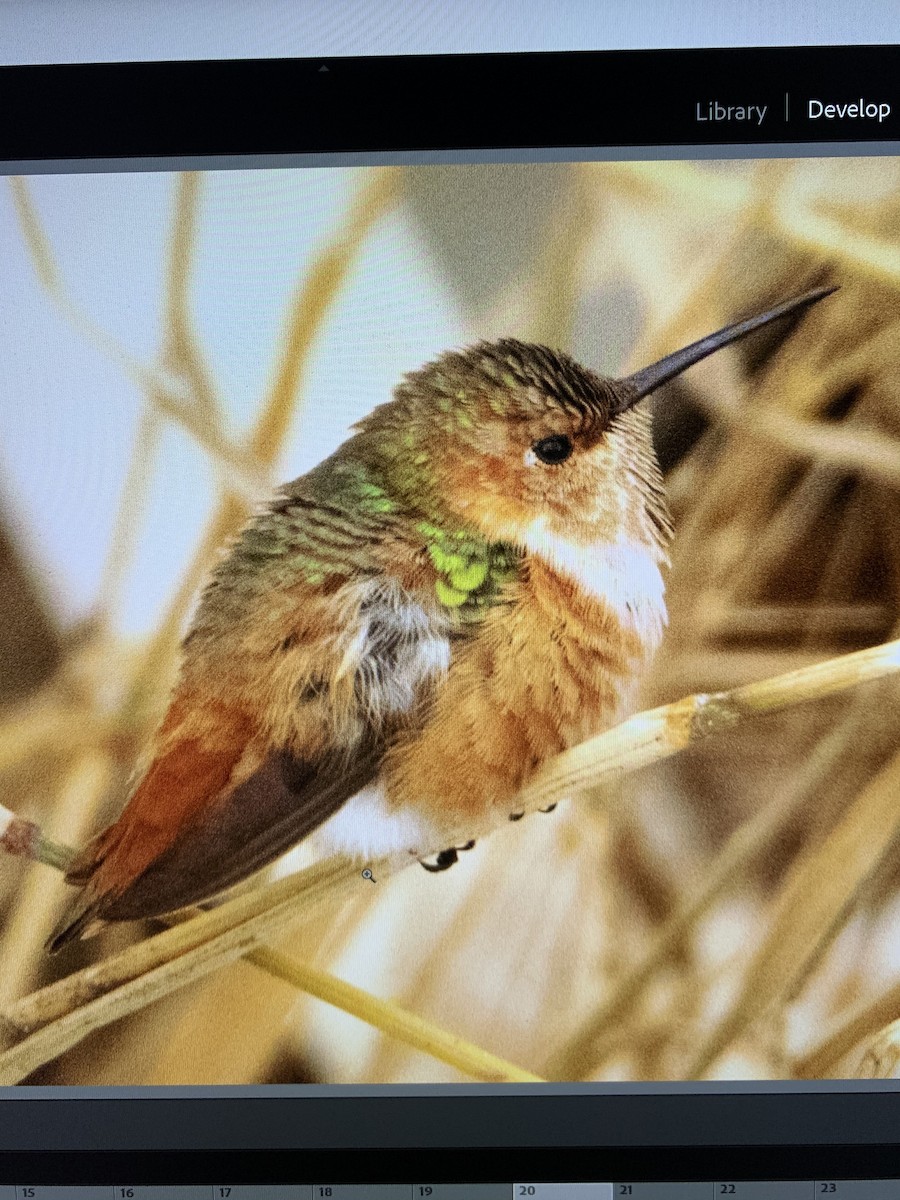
[[273, 810]]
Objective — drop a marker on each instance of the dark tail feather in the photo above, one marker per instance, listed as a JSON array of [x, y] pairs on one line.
[[84, 917], [76, 924], [275, 809], [283, 802]]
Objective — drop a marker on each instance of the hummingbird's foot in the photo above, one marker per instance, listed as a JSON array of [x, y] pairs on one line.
[[550, 809], [470, 845], [441, 862], [516, 816]]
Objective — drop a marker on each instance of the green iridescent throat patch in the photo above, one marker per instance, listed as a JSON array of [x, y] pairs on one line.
[[471, 572]]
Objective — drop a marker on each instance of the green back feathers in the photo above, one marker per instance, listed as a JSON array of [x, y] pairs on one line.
[[331, 523], [385, 482], [399, 492], [386, 475]]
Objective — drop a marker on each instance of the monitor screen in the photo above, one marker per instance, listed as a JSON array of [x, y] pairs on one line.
[[451, 582]]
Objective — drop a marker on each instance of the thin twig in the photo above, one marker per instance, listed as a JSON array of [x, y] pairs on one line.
[[57, 1017], [315, 294], [662, 732], [180, 356], [391, 1019], [23, 838], [592, 1043], [845, 447], [167, 390], [312, 300], [39, 901], [35, 912], [873, 258], [870, 257], [178, 956], [820, 889], [123, 540], [182, 352], [864, 1022]]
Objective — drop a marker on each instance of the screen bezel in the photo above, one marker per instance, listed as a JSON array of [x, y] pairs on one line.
[[780, 1130]]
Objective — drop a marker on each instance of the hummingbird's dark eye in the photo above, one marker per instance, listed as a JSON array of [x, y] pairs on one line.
[[555, 449]]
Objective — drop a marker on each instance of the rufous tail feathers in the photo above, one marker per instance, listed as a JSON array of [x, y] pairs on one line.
[[196, 753]]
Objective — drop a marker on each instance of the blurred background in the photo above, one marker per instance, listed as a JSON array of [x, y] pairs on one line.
[[173, 345]]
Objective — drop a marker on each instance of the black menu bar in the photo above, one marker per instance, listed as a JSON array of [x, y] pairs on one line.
[[484, 101]]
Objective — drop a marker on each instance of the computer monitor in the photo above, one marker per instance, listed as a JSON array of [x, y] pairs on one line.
[[449, 540]]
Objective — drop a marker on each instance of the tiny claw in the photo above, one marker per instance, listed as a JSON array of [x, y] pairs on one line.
[[516, 816], [442, 862], [470, 845], [550, 809]]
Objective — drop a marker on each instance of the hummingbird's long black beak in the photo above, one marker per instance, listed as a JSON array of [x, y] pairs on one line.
[[635, 387]]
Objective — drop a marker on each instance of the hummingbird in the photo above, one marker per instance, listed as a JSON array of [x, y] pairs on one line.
[[390, 648]]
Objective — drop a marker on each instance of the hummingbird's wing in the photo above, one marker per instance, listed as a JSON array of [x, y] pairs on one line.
[[242, 830], [319, 636]]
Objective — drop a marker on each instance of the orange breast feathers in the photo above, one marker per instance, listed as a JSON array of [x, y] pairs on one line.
[[541, 675]]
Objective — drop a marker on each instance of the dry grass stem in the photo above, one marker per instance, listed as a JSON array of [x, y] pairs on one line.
[[598, 1036], [873, 258], [182, 353], [729, 870], [132, 505], [180, 356], [39, 901], [315, 294], [864, 1022], [57, 1017], [168, 390], [819, 889], [393, 1020], [25, 839], [651, 736], [733, 903], [881, 1059], [851, 449], [313, 299]]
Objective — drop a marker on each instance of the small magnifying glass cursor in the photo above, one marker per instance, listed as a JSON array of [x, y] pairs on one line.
[[367, 874]]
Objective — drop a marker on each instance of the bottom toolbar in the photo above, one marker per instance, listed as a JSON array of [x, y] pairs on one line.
[[830, 1189]]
